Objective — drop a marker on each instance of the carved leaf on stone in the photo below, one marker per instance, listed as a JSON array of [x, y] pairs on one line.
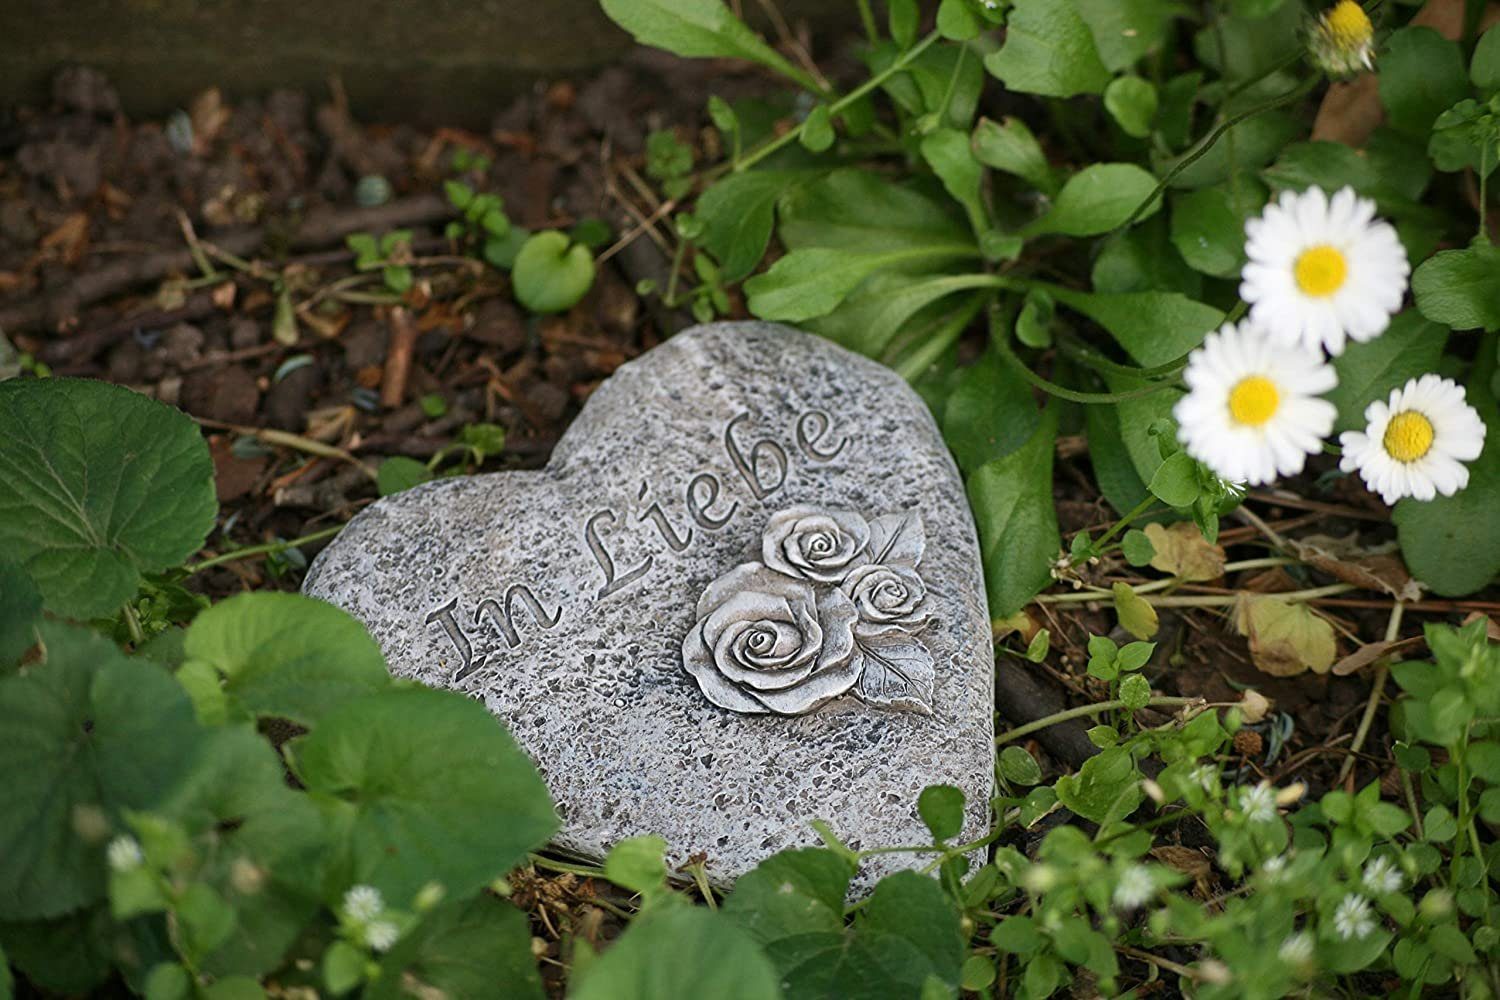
[[834, 608]]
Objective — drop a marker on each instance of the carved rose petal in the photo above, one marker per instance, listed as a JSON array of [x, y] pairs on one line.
[[813, 543], [751, 609], [885, 593], [751, 576], [699, 660]]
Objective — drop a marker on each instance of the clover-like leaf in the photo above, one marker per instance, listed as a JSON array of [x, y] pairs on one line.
[[551, 273], [89, 733], [98, 485]]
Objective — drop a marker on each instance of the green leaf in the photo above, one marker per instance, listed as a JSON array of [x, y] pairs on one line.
[[343, 967], [1108, 784], [1154, 327], [1142, 259], [550, 275], [424, 786], [1253, 143], [790, 893], [1034, 321], [1137, 548], [679, 952], [1013, 508], [902, 19], [636, 863], [738, 213], [697, 29], [990, 413], [1114, 467], [1049, 51], [942, 810], [862, 212], [399, 473], [885, 305], [1452, 544], [89, 733], [947, 153], [1484, 68], [1019, 767], [1097, 199], [1017, 935], [1009, 146], [1126, 30], [1136, 614], [20, 607], [1410, 346], [1421, 75], [957, 21], [1132, 103], [1175, 482], [98, 485], [1460, 288], [1466, 137], [914, 909], [286, 655], [1135, 691], [1208, 227], [467, 948], [806, 284], [817, 131]]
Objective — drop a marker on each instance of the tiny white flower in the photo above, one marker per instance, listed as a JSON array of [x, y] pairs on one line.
[[1297, 949], [1380, 876], [1322, 271], [1353, 919], [363, 903], [1205, 776], [124, 854], [1259, 803], [1252, 410], [1342, 38], [1274, 869], [381, 934], [1135, 887], [1415, 443]]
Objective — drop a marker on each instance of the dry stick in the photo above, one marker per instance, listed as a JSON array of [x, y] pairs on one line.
[[286, 439], [1392, 628], [403, 341]]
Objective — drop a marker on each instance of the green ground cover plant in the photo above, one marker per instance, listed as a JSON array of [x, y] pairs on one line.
[[236, 800]]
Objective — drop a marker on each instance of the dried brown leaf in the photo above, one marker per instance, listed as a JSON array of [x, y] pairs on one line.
[[1183, 551], [1377, 569], [1285, 639]]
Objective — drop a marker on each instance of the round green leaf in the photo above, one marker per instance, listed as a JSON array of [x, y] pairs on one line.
[[478, 947], [399, 473], [88, 734], [427, 787], [287, 655], [792, 892], [20, 607], [1132, 103], [549, 274], [680, 953], [98, 484], [942, 809], [1097, 199], [1019, 767]]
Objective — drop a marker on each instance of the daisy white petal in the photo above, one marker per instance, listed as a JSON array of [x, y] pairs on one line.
[[1415, 443], [1252, 411], [1323, 270]]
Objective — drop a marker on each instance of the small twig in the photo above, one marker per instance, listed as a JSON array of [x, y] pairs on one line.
[[1377, 689], [286, 439], [403, 340], [264, 549]]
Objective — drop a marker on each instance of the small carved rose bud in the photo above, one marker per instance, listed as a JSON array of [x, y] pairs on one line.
[[765, 642], [885, 593], [811, 543]]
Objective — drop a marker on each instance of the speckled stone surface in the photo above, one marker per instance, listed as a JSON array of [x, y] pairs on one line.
[[561, 599]]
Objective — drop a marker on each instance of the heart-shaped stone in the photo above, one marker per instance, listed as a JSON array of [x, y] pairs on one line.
[[744, 594]]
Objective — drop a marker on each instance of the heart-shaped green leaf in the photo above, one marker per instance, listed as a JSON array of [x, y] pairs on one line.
[[98, 485], [550, 275]]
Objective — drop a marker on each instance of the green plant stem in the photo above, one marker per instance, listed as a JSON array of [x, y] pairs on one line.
[[255, 550], [1382, 671], [867, 20], [1484, 184], [1131, 515], [1082, 711], [899, 65], [1085, 355], [1207, 142], [133, 623], [913, 365], [1095, 594], [1002, 344]]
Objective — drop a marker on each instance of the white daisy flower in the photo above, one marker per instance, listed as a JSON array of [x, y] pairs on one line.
[[363, 903], [1415, 444], [1341, 40], [1259, 803], [1322, 270], [1297, 949], [1135, 887], [1252, 412], [381, 934], [1353, 918], [124, 854], [1380, 876]]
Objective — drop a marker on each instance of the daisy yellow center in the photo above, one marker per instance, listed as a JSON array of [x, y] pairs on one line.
[[1254, 400], [1320, 270], [1349, 24], [1408, 436]]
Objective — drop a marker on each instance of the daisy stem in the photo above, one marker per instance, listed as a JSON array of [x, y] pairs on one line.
[[1083, 354], [1002, 344], [1201, 148], [1083, 711], [1377, 689]]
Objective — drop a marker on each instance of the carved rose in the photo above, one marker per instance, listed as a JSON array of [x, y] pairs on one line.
[[885, 594], [767, 642], [815, 544]]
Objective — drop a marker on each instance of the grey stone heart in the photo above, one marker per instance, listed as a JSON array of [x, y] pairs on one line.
[[563, 599]]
